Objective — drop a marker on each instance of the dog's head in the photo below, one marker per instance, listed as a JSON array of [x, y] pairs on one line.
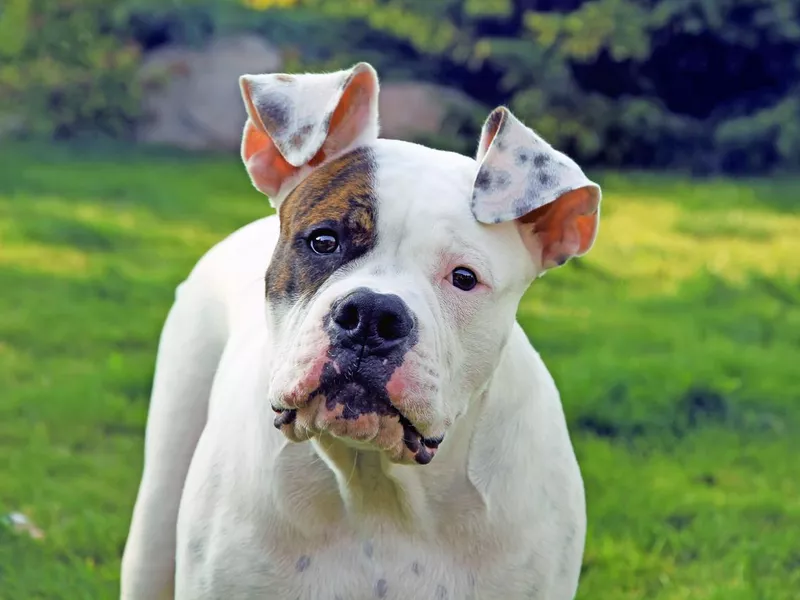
[[396, 278]]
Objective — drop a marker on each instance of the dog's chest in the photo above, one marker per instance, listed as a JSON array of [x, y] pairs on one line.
[[350, 569]]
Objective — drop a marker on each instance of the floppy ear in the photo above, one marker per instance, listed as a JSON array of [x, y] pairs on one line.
[[297, 122], [522, 178]]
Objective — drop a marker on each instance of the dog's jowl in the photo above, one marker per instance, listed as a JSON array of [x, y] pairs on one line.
[[344, 405]]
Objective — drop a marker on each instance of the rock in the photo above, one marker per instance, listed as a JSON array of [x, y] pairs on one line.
[[192, 98], [165, 75], [418, 110], [10, 125]]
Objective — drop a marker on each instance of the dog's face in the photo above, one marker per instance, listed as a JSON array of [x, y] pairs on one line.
[[396, 278], [388, 300]]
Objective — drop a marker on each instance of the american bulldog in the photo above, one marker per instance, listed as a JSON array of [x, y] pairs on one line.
[[344, 406]]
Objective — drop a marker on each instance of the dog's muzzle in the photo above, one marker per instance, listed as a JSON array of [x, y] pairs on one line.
[[370, 334], [374, 325]]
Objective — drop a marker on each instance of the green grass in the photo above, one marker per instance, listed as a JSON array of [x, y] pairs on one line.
[[675, 344]]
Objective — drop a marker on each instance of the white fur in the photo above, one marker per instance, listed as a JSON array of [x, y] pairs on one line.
[[497, 515]]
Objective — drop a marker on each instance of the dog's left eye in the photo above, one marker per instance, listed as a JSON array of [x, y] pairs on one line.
[[323, 241], [464, 279]]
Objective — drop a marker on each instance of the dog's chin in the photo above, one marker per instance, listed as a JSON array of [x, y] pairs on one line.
[[351, 412]]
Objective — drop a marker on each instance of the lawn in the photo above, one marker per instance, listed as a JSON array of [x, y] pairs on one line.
[[675, 343]]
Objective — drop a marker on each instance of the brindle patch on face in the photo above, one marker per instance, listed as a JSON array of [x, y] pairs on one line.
[[338, 196]]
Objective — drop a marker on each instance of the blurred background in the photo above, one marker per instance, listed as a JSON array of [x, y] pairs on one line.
[[675, 342]]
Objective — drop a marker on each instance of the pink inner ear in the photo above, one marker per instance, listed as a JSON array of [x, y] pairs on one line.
[[490, 130], [267, 168], [352, 113], [563, 229]]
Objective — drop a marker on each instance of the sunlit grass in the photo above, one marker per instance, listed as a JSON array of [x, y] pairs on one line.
[[657, 246], [674, 344]]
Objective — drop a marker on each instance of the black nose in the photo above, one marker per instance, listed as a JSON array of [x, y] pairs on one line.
[[378, 321]]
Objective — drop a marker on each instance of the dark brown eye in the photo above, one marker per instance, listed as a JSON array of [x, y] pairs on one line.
[[323, 241], [464, 279]]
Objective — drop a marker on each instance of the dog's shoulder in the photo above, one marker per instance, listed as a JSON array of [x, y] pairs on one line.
[[219, 280], [528, 364], [241, 254]]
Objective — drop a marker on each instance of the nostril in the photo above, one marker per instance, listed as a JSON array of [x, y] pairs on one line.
[[375, 320], [347, 316], [391, 327]]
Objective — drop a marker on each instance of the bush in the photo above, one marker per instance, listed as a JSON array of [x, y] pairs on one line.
[[709, 85], [67, 68]]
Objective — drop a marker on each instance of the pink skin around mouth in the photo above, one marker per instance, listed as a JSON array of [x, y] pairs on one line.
[[299, 394], [397, 385], [394, 433]]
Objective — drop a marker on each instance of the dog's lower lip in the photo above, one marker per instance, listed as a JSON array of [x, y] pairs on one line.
[[433, 442], [423, 457], [285, 417], [422, 448]]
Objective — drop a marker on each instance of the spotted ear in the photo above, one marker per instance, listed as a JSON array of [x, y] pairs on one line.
[[297, 122], [522, 178]]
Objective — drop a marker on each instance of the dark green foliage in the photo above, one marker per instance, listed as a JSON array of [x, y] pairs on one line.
[[706, 85], [66, 68]]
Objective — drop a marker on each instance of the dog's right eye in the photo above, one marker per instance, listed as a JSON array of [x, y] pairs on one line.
[[464, 279], [323, 241]]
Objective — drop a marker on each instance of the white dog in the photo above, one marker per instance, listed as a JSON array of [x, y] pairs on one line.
[[344, 406]]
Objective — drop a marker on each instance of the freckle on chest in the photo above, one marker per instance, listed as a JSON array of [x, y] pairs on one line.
[[371, 569]]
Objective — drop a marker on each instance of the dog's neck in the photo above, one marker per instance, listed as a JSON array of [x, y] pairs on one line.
[[371, 487]]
